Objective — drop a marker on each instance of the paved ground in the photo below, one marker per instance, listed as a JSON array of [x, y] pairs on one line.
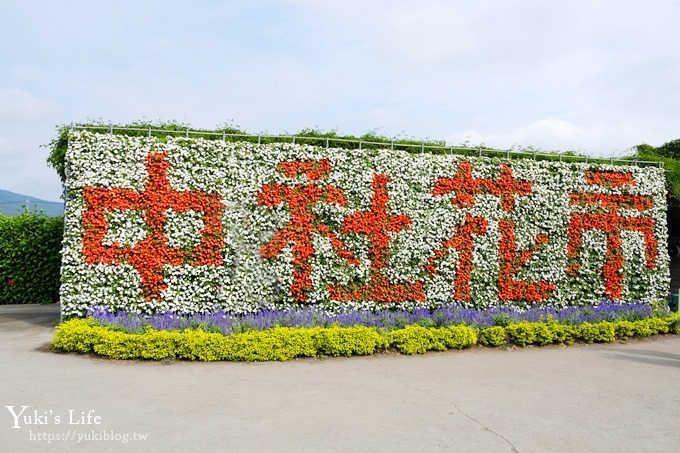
[[596, 398]]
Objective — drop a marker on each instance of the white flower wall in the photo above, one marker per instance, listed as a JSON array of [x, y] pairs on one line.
[[194, 225]]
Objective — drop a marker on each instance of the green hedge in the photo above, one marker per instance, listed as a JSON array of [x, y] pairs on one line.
[[284, 343], [30, 258]]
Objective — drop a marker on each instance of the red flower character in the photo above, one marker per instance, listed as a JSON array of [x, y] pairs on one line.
[[512, 260], [612, 222], [150, 256], [377, 225], [303, 222]]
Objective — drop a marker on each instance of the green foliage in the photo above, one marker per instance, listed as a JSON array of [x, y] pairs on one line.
[[77, 335], [502, 319], [285, 343], [562, 333], [642, 328], [624, 329], [279, 343], [673, 323], [57, 156], [669, 149], [660, 308], [358, 340], [521, 333], [600, 332], [30, 247], [459, 336], [669, 155], [416, 339], [494, 336], [656, 325]]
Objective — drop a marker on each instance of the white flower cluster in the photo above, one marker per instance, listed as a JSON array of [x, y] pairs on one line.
[[247, 281]]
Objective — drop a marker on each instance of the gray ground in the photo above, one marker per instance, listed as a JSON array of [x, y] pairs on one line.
[[595, 398]]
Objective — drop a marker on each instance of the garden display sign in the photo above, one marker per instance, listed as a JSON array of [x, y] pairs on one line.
[[194, 225]]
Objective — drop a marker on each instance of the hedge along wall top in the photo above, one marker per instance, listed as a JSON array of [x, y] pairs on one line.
[[193, 225]]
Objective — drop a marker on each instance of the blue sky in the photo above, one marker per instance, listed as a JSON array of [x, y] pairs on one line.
[[595, 76]]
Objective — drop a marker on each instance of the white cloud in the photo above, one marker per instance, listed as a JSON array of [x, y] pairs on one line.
[[554, 134], [21, 105]]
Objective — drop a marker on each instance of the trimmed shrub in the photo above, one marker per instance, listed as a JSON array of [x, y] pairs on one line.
[[625, 329], [416, 339], [279, 343], [338, 341], [521, 333], [562, 333], [493, 336], [459, 337], [601, 332], [285, 343], [673, 322], [77, 335], [657, 325], [30, 258]]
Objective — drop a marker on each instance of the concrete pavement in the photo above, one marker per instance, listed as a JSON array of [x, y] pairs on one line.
[[582, 398]]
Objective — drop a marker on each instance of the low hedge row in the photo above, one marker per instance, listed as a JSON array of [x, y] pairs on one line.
[[284, 343]]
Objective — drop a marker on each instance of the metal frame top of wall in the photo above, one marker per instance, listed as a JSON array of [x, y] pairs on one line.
[[363, 144]]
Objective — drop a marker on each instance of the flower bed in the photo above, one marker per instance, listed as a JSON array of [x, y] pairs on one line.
[[453, 314], [284, 343], [198, 226]]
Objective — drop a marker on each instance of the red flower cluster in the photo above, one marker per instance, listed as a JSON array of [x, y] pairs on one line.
[[610, 178], [303, 222], [612, 223], [313, 169], [609, 202], [465, 187], [152, 254], [377, 224]]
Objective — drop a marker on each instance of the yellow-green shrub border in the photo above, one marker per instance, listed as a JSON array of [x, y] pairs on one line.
[[284, 343]]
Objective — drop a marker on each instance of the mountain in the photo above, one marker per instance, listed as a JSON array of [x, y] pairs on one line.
[[15, 203]]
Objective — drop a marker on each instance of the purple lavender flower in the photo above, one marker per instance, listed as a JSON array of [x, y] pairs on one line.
[[391, 318]]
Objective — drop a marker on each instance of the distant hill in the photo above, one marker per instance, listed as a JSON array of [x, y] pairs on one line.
[[15, 203]]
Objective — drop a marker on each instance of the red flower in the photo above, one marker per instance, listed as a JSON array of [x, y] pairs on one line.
[[610, 178], [10, 282], [314, 170]]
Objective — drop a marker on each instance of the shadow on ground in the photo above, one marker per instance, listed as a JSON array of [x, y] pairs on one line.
[[647, 356], [39, 315]]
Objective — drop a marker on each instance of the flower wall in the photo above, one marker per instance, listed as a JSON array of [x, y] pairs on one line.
[[194, 226]]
